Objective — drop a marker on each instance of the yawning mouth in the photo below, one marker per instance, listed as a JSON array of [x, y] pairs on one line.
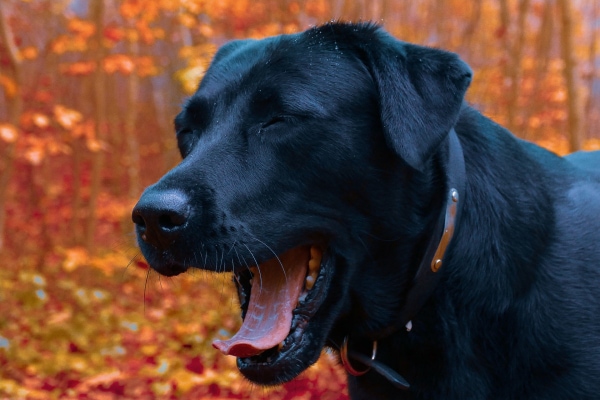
[[278, 299]]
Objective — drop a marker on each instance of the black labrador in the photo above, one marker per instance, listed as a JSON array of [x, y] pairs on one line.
[[363, 206]]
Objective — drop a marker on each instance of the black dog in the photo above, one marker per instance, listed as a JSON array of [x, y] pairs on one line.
[[330, 170]]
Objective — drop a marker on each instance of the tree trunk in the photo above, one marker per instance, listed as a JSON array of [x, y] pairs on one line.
[[542, 57], [567, 49], [15, 104], [515, 69], [132, 145], [97, 50], [591, 74]]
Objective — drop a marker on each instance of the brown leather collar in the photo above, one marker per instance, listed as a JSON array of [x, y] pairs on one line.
[[428, 273]]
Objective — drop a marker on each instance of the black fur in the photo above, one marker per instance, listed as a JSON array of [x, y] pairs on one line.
[[338, 136]]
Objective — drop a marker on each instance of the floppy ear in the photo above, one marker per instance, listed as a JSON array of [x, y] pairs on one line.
[[421, 92]]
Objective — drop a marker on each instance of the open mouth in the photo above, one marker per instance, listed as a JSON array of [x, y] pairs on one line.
[[278, 298]]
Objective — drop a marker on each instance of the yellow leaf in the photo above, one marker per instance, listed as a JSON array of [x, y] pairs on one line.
[[592, 144], [189, 78], [187, 20], [149, 349], [185, 380], [67, 117]]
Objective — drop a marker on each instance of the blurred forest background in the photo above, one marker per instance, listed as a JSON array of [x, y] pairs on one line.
[[88, 92]]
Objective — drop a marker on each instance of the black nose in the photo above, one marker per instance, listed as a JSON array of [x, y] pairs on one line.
[[160, 216]]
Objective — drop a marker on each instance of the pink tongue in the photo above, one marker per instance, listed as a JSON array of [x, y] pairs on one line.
[[274, 296]]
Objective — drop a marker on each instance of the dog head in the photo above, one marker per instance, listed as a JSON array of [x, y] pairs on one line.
[[307, 171]]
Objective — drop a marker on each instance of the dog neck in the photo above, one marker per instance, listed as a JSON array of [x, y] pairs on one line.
[[428, 272]]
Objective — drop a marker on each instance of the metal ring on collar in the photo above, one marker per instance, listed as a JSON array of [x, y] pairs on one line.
[[346, 361]]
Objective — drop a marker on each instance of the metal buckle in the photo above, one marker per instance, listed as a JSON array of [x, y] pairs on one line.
[[346, 361]]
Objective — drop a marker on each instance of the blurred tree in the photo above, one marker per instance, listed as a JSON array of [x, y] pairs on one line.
[[568, 54], [97, 54], [12, 82], [88, 92]]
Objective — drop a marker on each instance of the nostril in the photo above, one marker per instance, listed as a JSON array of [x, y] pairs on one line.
[[172, 219], [138, 219], [161, 216]]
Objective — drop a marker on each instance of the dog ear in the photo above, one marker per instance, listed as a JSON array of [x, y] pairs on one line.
[[421, 92]]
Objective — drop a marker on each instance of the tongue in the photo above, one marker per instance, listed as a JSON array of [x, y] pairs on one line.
[[274, 295]]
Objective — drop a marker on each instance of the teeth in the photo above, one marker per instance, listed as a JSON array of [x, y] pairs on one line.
[[315, 253], [314, 264]]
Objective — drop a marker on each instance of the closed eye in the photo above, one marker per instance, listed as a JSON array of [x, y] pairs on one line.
[[185, 141], [273, 121]]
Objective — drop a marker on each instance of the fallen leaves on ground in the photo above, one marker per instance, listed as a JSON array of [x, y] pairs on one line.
[[104, 327]]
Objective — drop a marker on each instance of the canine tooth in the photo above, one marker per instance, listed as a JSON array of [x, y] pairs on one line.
[[280, 346], [309, 282], [315, 259], [314, 265], [315, 253]]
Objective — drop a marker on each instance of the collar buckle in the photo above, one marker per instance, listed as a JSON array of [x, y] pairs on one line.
[[346, 361]]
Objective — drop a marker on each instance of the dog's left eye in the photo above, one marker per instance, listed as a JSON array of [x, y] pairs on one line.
[[273, 121], [185, 140]]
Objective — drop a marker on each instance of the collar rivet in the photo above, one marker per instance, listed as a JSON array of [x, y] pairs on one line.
[[454, 193]]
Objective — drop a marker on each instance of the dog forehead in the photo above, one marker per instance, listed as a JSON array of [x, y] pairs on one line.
[[309, 50], [303, 68]]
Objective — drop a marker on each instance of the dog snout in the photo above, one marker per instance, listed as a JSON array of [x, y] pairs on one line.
[[160, 216]]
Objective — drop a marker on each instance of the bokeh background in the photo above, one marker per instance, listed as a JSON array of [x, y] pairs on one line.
[[88, 92]]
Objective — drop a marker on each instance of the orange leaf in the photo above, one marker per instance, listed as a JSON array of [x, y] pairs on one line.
[[35, 156], [40, 120], [95, 145], [78, 68], [8, 133], [81, 27], [113, 33], [29, 53], [118, 63], [9, 85]]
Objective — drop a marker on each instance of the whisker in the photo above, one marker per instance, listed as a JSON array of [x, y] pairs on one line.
[[257, 266], [238, 255], [231, 248], [275, 254], [222, 263], [145, 288], [160, 282], [134, 258], [195, 258]]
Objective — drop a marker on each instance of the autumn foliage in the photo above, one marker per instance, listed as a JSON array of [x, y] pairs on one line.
[[88, 91]]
